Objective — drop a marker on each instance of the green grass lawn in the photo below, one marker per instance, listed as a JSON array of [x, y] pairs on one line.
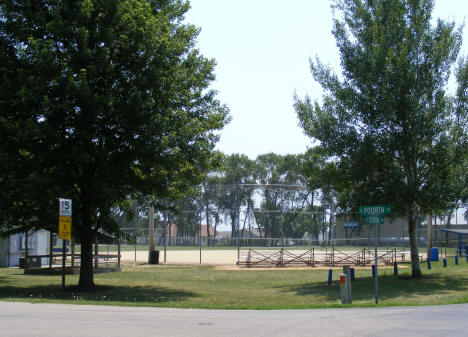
[[208, 287]]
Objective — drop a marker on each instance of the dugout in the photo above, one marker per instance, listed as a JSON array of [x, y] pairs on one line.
[[460, 233]]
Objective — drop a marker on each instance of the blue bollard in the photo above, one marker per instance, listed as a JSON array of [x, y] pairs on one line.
[[373, 270], [456, 260], [330, 272], [352, 273], [467, 257], [395, 268], [428, 264], [445, 262]]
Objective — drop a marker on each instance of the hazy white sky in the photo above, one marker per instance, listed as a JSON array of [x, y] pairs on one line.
[[262, 49]]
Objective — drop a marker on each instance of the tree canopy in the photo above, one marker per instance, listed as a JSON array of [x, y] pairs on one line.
[[387, 121], [100, 100], [267, 197]]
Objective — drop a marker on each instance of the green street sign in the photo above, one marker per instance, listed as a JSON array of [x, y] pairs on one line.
[[375, 210], [375, 219]]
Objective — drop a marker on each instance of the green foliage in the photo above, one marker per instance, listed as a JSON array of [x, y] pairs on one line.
[[100, 100], [268, 194], [387, 123], [280, 206]]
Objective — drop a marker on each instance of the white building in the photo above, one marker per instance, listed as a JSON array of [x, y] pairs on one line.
[[12, 248]]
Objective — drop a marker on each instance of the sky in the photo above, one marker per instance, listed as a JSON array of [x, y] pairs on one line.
[[262, 50]]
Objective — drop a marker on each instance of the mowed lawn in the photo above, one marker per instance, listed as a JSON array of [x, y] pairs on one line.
[[213, 288]]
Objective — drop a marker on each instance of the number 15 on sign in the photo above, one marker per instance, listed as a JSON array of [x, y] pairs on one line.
[[65, 218], [65, 207]]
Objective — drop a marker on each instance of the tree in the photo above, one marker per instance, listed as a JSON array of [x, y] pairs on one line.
[[283, 201], [322, 179], [101, 100], [393, 131], [237, 169]]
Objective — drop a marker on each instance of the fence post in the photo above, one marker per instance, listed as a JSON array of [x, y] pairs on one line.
[[118, 254]]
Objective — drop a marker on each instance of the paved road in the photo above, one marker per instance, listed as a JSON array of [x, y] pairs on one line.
[[46, 320]]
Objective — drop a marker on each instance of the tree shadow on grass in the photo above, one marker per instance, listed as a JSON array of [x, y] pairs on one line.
[[390, 287], [109, 294]]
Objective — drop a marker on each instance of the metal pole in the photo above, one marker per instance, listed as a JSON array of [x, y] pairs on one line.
[[96, 252], [150, 232], [166, 218], [51, 248], [72, 244], [26, 251], [135, 222], [64, 256], [118, 254], [376, 270], [238, 224], [332, 211], [199, 235], [9, 250]]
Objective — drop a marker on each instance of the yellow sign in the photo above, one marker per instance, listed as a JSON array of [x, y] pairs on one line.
[[65, 227]]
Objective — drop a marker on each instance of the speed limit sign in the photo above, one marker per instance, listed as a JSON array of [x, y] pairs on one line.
[[65, 207]]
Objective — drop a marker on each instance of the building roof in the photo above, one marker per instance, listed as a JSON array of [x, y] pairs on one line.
[[456, 231], [172, 230]]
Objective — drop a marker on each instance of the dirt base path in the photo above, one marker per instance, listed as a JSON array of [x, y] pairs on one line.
[[210, 257], [220, 258]]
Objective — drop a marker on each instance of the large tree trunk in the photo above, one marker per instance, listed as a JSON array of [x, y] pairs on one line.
[[233, 228], [215, 231], [86, 268], [245, 219], [315, 234], [415, 267], [255, 217]]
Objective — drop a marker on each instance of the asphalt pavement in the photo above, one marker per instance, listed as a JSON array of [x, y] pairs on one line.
[[46, 320]]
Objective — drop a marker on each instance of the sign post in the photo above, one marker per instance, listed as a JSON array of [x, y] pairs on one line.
[[65, 221], [375, 216]]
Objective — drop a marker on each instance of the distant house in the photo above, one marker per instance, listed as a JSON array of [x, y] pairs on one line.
[[250, 233], [207, 229], [172, 231]]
